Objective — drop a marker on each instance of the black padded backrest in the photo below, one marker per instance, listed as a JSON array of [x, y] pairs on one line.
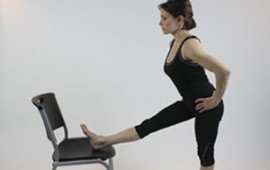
[[48, 104]]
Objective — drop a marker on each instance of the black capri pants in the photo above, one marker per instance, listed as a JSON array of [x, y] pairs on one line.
[[206, 126]]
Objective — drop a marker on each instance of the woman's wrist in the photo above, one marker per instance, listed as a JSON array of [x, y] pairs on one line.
[[216, 98]]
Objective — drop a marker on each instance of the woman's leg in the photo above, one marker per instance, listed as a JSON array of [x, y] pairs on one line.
[[207, 168], [128, 135], [206, 129], [171, 115]]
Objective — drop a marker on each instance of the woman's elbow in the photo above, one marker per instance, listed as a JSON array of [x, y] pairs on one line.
[[226, 72], [223, 72]]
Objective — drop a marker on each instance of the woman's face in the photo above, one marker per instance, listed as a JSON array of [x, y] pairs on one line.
[[168, 23]]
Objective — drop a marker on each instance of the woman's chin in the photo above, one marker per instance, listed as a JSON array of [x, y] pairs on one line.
[[165, 32]]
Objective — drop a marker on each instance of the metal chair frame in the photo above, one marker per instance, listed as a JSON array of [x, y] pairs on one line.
[[50, 126]]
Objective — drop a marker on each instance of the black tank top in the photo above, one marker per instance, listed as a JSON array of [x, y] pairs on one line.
[[189, 78]]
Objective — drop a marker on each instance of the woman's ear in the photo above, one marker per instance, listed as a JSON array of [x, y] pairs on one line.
[[181, 21], [181, 18]]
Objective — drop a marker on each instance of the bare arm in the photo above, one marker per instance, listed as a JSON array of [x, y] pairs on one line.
[[193, 50]]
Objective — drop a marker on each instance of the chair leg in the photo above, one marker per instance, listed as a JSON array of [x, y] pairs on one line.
[[54, 167], [111, 164]]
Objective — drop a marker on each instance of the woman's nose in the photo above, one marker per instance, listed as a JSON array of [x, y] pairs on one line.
[[160, 23]]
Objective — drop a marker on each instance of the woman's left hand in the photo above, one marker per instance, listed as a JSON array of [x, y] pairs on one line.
[[203, 104]]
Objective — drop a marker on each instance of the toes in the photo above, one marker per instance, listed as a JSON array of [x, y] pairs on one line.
[[84, 127]]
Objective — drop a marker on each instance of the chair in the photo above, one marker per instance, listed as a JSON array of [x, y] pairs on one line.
[[69, 151]]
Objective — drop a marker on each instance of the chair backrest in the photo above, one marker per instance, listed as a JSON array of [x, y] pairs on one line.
[[51, 115]]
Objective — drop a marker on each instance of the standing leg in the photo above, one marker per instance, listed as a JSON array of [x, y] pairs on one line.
[[207, 168], [206, 129]]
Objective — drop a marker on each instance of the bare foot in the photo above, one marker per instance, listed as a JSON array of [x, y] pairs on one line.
[[96, 141]]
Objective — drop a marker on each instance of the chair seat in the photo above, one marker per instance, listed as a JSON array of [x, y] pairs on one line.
[[80, 149]]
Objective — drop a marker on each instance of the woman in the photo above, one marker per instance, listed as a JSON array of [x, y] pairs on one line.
[[184, 64]]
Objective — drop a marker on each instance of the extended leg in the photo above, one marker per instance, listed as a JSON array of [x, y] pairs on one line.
[[171, 115], [128, 135]]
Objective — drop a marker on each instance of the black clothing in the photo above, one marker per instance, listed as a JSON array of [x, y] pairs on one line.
[[189, 78], [192, 83]]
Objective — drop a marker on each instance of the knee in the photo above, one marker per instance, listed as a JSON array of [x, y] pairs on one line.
[[206, 156]]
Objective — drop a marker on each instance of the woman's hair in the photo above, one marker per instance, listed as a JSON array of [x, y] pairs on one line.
[[180, 7]]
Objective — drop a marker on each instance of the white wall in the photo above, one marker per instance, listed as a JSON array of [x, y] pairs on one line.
[[104, 61]]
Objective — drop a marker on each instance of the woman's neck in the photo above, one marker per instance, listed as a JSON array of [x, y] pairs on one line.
[[180, 35]]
